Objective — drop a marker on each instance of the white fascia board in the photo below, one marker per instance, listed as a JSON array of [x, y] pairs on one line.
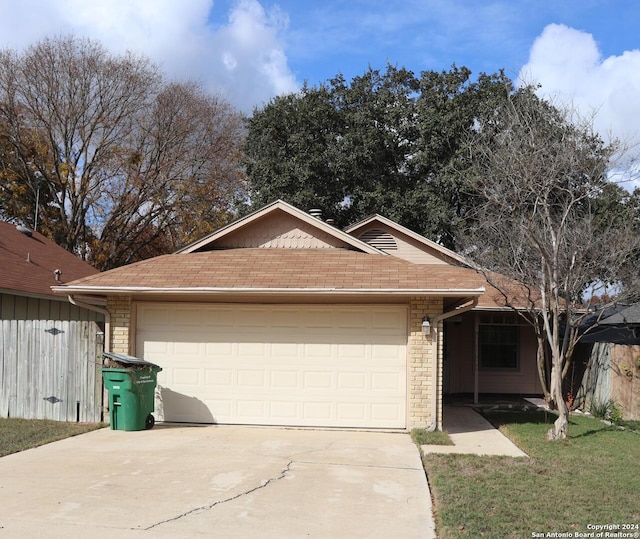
[[102, 290]]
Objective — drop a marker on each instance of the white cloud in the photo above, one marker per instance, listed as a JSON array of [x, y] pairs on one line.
[[244, 59], [569, 66]]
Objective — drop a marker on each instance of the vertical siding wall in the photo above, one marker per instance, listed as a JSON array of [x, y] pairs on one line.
[[421, 381], [49, 355]]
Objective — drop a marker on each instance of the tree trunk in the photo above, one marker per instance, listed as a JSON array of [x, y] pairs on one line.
[[542, 368], [561, 425]]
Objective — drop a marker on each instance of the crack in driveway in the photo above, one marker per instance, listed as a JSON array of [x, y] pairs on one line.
[[355, 465], [204, 508]]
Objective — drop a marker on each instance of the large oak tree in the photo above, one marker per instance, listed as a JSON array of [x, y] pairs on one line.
[[383, 142]]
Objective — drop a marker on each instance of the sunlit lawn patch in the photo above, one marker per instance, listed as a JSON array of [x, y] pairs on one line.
[[591, 478], [20, 434]]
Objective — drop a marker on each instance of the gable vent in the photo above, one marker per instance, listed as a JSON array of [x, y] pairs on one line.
[[379, 239]]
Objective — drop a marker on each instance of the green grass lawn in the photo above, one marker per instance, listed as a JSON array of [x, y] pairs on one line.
[[20, 434], [591, 478], [424, 437]]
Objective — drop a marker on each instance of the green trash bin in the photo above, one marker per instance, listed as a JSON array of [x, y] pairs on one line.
[[131, 384]]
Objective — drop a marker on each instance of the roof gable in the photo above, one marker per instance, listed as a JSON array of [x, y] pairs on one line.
[[397, 240], [279, 225], [29, 263]]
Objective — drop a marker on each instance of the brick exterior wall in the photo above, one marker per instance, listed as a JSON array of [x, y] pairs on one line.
[[120, 309], [420, 382]]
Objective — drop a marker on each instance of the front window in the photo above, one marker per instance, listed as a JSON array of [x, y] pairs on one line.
[[499, 347]]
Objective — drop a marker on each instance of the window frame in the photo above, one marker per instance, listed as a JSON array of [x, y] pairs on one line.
[[505, 324]]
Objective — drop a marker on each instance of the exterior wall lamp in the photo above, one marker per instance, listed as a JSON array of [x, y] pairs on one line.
[[426, 325]]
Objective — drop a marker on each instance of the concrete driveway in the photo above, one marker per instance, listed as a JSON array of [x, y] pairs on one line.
[[217, 481]]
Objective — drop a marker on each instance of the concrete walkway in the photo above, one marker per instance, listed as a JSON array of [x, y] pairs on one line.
[[210, 481], [473, 434]]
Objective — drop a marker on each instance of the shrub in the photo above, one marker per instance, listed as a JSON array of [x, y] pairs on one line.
[[608, 410]]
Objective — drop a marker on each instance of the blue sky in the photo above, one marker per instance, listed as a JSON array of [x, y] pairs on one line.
[[326, 37], [586, 52]]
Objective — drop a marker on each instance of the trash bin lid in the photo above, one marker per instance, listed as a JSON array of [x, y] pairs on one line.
[[129, 360]]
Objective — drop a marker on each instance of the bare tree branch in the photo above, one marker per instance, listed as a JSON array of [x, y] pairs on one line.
[[131, 166], [538, 177]]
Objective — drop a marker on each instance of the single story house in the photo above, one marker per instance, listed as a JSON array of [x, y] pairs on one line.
[[49, 348], [280, 318]]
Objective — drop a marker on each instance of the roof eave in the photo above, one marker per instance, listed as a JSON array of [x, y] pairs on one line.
[[142, 290], [28, 294]]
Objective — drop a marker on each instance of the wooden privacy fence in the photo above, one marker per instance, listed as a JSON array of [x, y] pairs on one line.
[[612, 373], [49, 369]]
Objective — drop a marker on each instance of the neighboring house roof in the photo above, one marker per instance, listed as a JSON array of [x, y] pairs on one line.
[[29, 263], [628, 316], [284, 271], [618, 324]]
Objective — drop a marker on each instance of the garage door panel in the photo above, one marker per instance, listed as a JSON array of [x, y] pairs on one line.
[[317, 412], [251, 349], [187, 349], [251, 410], [386, 352], [213, 349], [315, 318], [189, 377], [218, 318], [387, 321], [285, 319], [316, 350], [157, 348], [317, 380], [353, 351], [385, 412], [224, 409], [350, 411], [278, 364], [351, 319], [352, 380], [386, 381], [218, 378], [251, 379], [284, 380], [191, 318], [281, 349], [157, 316], [284, 410]]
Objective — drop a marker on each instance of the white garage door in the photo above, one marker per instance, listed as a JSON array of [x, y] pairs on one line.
[[277, 365]]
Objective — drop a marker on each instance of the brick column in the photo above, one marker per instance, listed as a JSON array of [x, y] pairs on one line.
[[120, 309], [421, 384]]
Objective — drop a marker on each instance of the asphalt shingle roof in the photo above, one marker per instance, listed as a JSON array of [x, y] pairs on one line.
[[28, 263], [338, 269]]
